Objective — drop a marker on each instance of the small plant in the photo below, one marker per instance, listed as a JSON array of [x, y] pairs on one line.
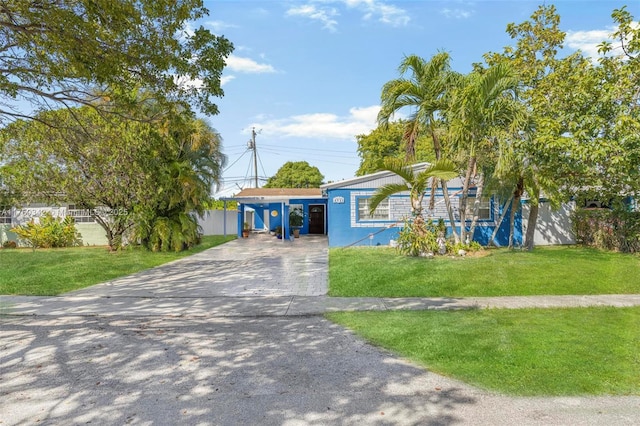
[[418, 238], [245, 230], [9, 244], [296, 219], [454, 248], [50, 232]]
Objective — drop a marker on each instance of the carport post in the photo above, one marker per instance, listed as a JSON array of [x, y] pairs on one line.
[[224, 218], [284, 230]]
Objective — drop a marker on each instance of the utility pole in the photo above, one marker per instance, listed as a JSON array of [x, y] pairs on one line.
[[252, 145]]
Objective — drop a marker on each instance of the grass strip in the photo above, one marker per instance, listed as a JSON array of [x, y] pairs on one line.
[[529, 352], [49, 272], [382, 272]]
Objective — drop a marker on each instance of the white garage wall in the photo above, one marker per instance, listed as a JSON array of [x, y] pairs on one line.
[[553, 227]]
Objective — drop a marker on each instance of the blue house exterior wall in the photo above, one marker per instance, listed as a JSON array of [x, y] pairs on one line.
[[346, 229]]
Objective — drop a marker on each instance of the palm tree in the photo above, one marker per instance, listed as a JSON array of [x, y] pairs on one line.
[[190, 170], [425, 93], [484, 108]]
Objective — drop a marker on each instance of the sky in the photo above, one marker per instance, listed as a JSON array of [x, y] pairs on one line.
[[307, 75]]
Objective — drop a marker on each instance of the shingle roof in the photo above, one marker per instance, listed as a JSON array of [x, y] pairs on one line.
[[279, 193]]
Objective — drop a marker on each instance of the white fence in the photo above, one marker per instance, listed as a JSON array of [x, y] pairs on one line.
[[213, 222]]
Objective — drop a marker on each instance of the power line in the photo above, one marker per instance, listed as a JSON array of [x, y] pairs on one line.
[[230, 165], [281, 152], [307, 149]]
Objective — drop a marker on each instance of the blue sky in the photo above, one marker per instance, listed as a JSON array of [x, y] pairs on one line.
[[308, 74]]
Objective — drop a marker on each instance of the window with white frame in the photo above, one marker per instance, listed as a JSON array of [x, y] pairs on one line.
[[80, 215], [5, 215], [484, 209], [380, 213]]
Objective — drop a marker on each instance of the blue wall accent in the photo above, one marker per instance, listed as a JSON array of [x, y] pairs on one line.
[[275, 221], [342, 233]]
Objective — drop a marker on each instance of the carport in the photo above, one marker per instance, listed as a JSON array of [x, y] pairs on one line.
[[265, 208]]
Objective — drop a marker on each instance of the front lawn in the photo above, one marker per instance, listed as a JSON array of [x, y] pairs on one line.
[[381, 272], [579, 351], [48, 272]]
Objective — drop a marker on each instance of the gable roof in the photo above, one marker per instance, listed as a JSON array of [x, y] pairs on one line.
[[378, 179], [357, 181]]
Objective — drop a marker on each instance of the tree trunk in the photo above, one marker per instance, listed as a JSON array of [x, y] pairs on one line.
[[476, 206], [464, 198], [447, 203], [505, 209], [531, 222], [434, 182], [111, 237], [512, 217], [517, 195]]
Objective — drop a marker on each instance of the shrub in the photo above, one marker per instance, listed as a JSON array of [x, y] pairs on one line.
[[9, 244], [418, 237], [176, 233], [454, 248], [50, 232], [606, 229]]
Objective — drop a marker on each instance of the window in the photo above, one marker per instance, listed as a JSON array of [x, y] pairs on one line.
[[484, 209], [5, 215], [381, 212], [80, 215]]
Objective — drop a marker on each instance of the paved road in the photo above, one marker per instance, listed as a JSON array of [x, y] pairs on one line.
[[188, 344]]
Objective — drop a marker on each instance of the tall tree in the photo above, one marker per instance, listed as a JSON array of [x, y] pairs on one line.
[[126, 172], [188, 170], [84, 160], [483, 108], [425, 94], [544, 154], [65, 53], [296, 174]]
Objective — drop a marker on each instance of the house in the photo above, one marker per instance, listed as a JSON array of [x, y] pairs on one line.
[[349, 221], [264, 208]]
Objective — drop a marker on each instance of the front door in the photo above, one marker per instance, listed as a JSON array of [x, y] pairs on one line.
[[316, 219]]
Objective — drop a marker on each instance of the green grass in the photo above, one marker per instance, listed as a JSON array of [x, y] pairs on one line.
[[580, 351], [48, 272], [381, 272]]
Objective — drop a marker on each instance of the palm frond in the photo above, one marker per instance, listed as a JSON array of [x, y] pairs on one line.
[[385, 192]]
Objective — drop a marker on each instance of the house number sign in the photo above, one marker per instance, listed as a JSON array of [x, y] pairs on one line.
[[338, 200]]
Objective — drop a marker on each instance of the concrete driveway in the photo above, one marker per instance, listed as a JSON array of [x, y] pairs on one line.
[[260, 265]]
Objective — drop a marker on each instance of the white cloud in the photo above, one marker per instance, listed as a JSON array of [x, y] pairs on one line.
[[323, 125], [322, 14], [218, 26], [320, 10], [385, 13], [588, 41], [226, 78], [247, 65], [456, 13]]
